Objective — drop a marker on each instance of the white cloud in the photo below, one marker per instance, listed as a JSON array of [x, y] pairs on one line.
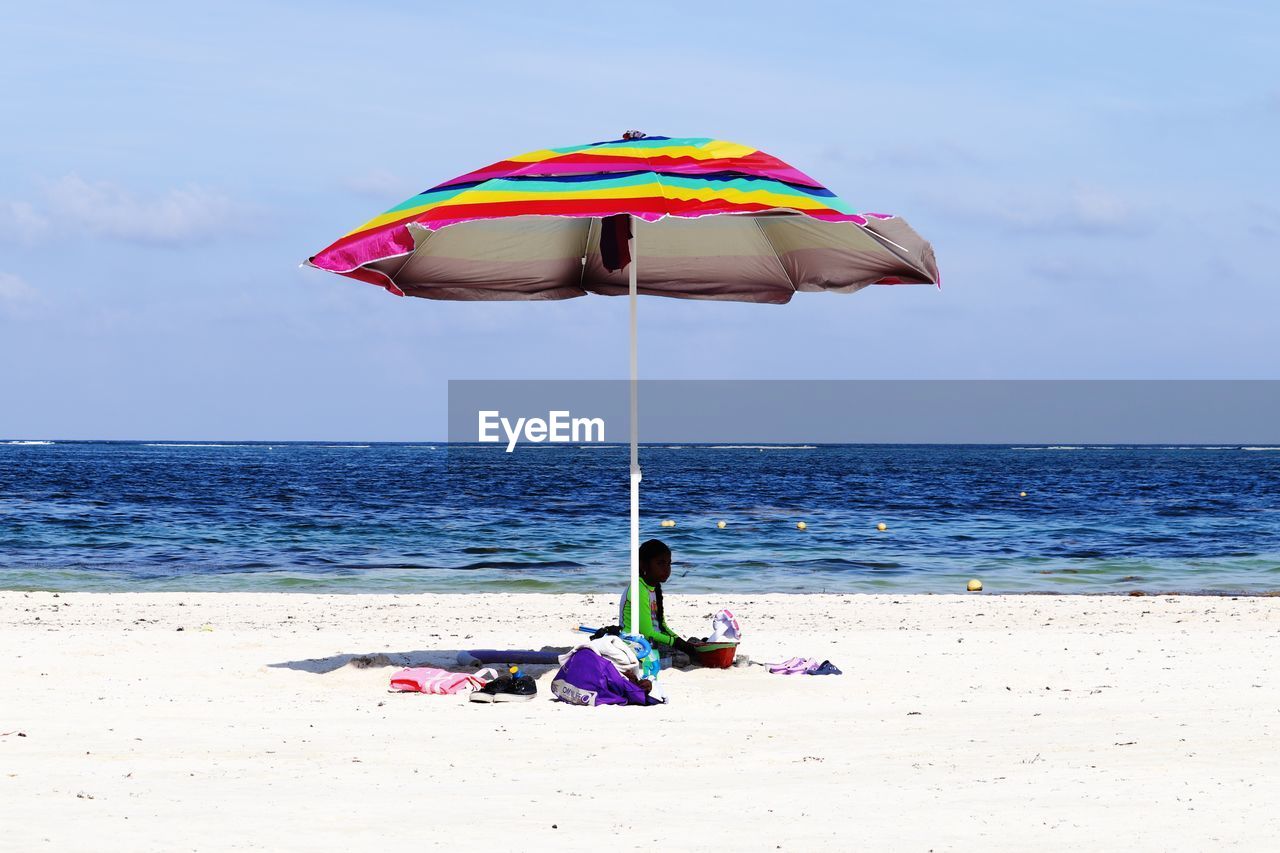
[[21, 222], [15, 293], [1095, 209], [937, 154], [1082, 210], [382, 185], [1264, 220], [74, 205], [108, 210], [1086, 271]]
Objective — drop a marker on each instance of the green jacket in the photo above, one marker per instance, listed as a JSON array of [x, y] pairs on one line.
[[652, 624]]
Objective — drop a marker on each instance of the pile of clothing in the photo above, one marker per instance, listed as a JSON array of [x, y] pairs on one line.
[[605, 671]]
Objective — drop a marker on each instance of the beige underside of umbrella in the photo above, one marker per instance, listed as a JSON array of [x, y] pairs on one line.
[[763, 258]]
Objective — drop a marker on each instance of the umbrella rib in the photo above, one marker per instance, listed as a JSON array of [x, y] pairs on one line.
[[586, 247], [776, 256], [903, 254]]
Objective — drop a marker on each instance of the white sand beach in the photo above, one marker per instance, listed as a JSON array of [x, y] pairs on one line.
[[235, 721]]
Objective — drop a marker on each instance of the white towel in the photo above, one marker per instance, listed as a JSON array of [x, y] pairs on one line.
[[615, 650]]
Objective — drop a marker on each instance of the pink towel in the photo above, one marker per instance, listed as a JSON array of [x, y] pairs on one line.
[[426, 679]]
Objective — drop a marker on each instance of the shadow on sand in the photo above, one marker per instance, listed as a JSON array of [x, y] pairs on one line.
[[453, 660]]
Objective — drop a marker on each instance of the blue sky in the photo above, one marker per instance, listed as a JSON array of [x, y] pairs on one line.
[[1098, 180]]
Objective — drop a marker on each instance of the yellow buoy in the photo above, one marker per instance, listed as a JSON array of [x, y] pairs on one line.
[[721, 525], [800, 525], [882, 526], [666, 522], [1022, 494], [975, 585]]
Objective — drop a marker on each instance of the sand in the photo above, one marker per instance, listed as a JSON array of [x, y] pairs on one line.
[[261, 721]]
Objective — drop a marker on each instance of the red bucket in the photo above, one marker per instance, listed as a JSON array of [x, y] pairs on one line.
[[714, 655]]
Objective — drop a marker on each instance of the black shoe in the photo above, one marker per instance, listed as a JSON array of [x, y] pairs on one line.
[[507, 689]]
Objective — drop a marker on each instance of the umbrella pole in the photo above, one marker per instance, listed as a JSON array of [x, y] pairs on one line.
[[635, 431]]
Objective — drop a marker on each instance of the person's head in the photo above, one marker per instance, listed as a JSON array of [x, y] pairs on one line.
[[655, 561]]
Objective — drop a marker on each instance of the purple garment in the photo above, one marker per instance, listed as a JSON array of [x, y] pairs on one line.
[[588, 679]]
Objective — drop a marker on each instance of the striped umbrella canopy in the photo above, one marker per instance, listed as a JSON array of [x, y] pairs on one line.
[[533, 226], [712, 220]]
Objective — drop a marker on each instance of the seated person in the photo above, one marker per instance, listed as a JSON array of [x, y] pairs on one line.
[[655, 569]]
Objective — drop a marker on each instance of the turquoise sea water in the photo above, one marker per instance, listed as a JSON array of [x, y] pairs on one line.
[[415, 517]]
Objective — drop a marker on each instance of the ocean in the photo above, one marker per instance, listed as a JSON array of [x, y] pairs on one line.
[[354, 517]]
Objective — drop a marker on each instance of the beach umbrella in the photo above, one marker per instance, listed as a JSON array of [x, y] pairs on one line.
[[692, 218]]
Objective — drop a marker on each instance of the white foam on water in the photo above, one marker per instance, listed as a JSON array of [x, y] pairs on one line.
[[1260, 448], [763, 447], [26, 443], [160, 444]]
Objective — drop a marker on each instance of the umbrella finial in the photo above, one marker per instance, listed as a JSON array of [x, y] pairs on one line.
[[634, 134]]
